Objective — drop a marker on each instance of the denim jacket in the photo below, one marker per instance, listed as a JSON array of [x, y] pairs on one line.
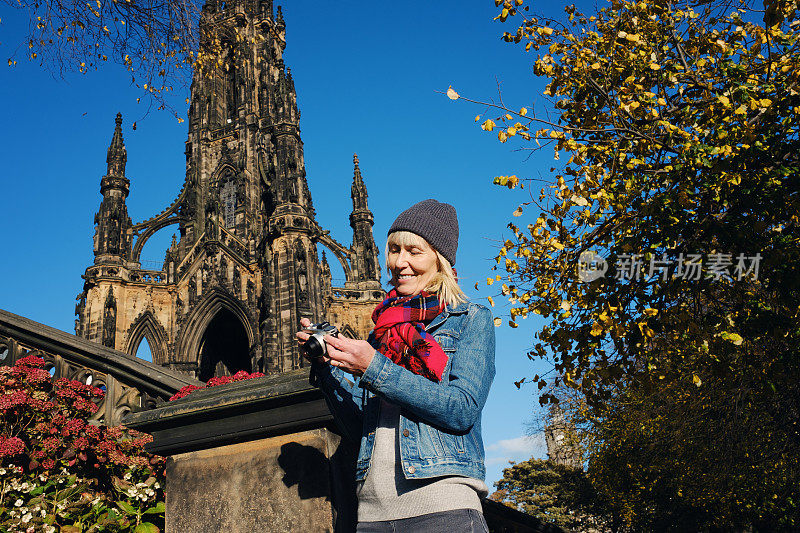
[[440, 423]]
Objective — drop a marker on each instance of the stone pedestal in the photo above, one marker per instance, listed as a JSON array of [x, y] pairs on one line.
[[263, 455], [257, 455]]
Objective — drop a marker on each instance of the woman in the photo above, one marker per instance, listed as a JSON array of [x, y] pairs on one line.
[[423, 378]]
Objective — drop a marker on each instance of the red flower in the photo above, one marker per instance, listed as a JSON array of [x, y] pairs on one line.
[[216, 382], [73, 427], [18, 397], [11, 446], [51, 443], [31, 361], [184, 392]]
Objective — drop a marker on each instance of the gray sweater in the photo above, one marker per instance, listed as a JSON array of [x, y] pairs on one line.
[[386, 494]]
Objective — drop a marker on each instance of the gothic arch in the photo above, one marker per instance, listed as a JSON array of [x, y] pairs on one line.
[[340, 252], [203, 313], [349, 332], [149, 232], [147, 326], [223, 170]]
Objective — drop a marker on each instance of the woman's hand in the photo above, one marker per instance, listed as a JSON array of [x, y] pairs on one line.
[[302, 337], [353, 356]]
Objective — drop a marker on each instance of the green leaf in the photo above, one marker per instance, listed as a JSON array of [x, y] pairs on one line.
[[158, 509], [146, 527], [125, 506]]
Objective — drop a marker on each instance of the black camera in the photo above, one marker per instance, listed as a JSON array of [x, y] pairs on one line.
[[315, 347]]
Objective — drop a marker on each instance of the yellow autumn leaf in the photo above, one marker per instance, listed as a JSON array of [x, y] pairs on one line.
[[452, 94], [724, 100], [491, 300], [498, 322], [650, 312], [596, 330], [517, 212], [696, 379], [488, 125], [736, 339]]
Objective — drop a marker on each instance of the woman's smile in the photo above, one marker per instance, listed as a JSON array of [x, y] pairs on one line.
[[413, 266]]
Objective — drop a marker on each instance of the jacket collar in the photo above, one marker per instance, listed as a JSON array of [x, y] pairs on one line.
[[459, 309]]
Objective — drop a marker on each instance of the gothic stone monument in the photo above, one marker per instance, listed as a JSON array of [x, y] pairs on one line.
[[245, 269]]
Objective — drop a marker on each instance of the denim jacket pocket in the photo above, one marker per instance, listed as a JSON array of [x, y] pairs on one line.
[[448, 340], [429, 443]]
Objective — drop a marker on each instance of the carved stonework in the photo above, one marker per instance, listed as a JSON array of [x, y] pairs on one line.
[[110, 319], [128, 387], [245, 263]]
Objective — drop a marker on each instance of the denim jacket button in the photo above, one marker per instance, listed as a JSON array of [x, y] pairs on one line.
[[411, 469], [405, 433]]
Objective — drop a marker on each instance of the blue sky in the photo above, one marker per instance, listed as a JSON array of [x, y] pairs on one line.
[[366, 77]]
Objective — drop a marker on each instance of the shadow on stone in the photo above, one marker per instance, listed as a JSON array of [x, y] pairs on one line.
[[302, 466], [306, 466]]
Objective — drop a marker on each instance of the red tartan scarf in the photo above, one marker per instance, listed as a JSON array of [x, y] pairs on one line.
[[400, 334]]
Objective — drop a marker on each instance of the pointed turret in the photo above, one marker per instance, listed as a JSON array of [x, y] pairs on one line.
[[325, 277], [358, 191], [117, 156], [364, 251], [112, 223]]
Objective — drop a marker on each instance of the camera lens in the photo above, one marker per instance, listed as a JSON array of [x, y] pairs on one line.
[[314, 347]]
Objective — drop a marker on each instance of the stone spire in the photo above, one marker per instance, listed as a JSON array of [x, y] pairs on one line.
[[364, 251], [117, 154], [358, 191], [112, 223]]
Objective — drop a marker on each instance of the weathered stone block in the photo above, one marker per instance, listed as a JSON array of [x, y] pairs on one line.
[[257, 455], [277, 484]]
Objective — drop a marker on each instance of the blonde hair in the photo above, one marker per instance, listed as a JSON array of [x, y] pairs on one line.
[[444, 283]]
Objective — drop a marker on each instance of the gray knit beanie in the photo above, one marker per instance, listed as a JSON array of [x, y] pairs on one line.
[[436, 222]]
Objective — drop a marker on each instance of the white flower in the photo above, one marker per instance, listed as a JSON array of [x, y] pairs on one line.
[[26, 518], [18, 503]]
